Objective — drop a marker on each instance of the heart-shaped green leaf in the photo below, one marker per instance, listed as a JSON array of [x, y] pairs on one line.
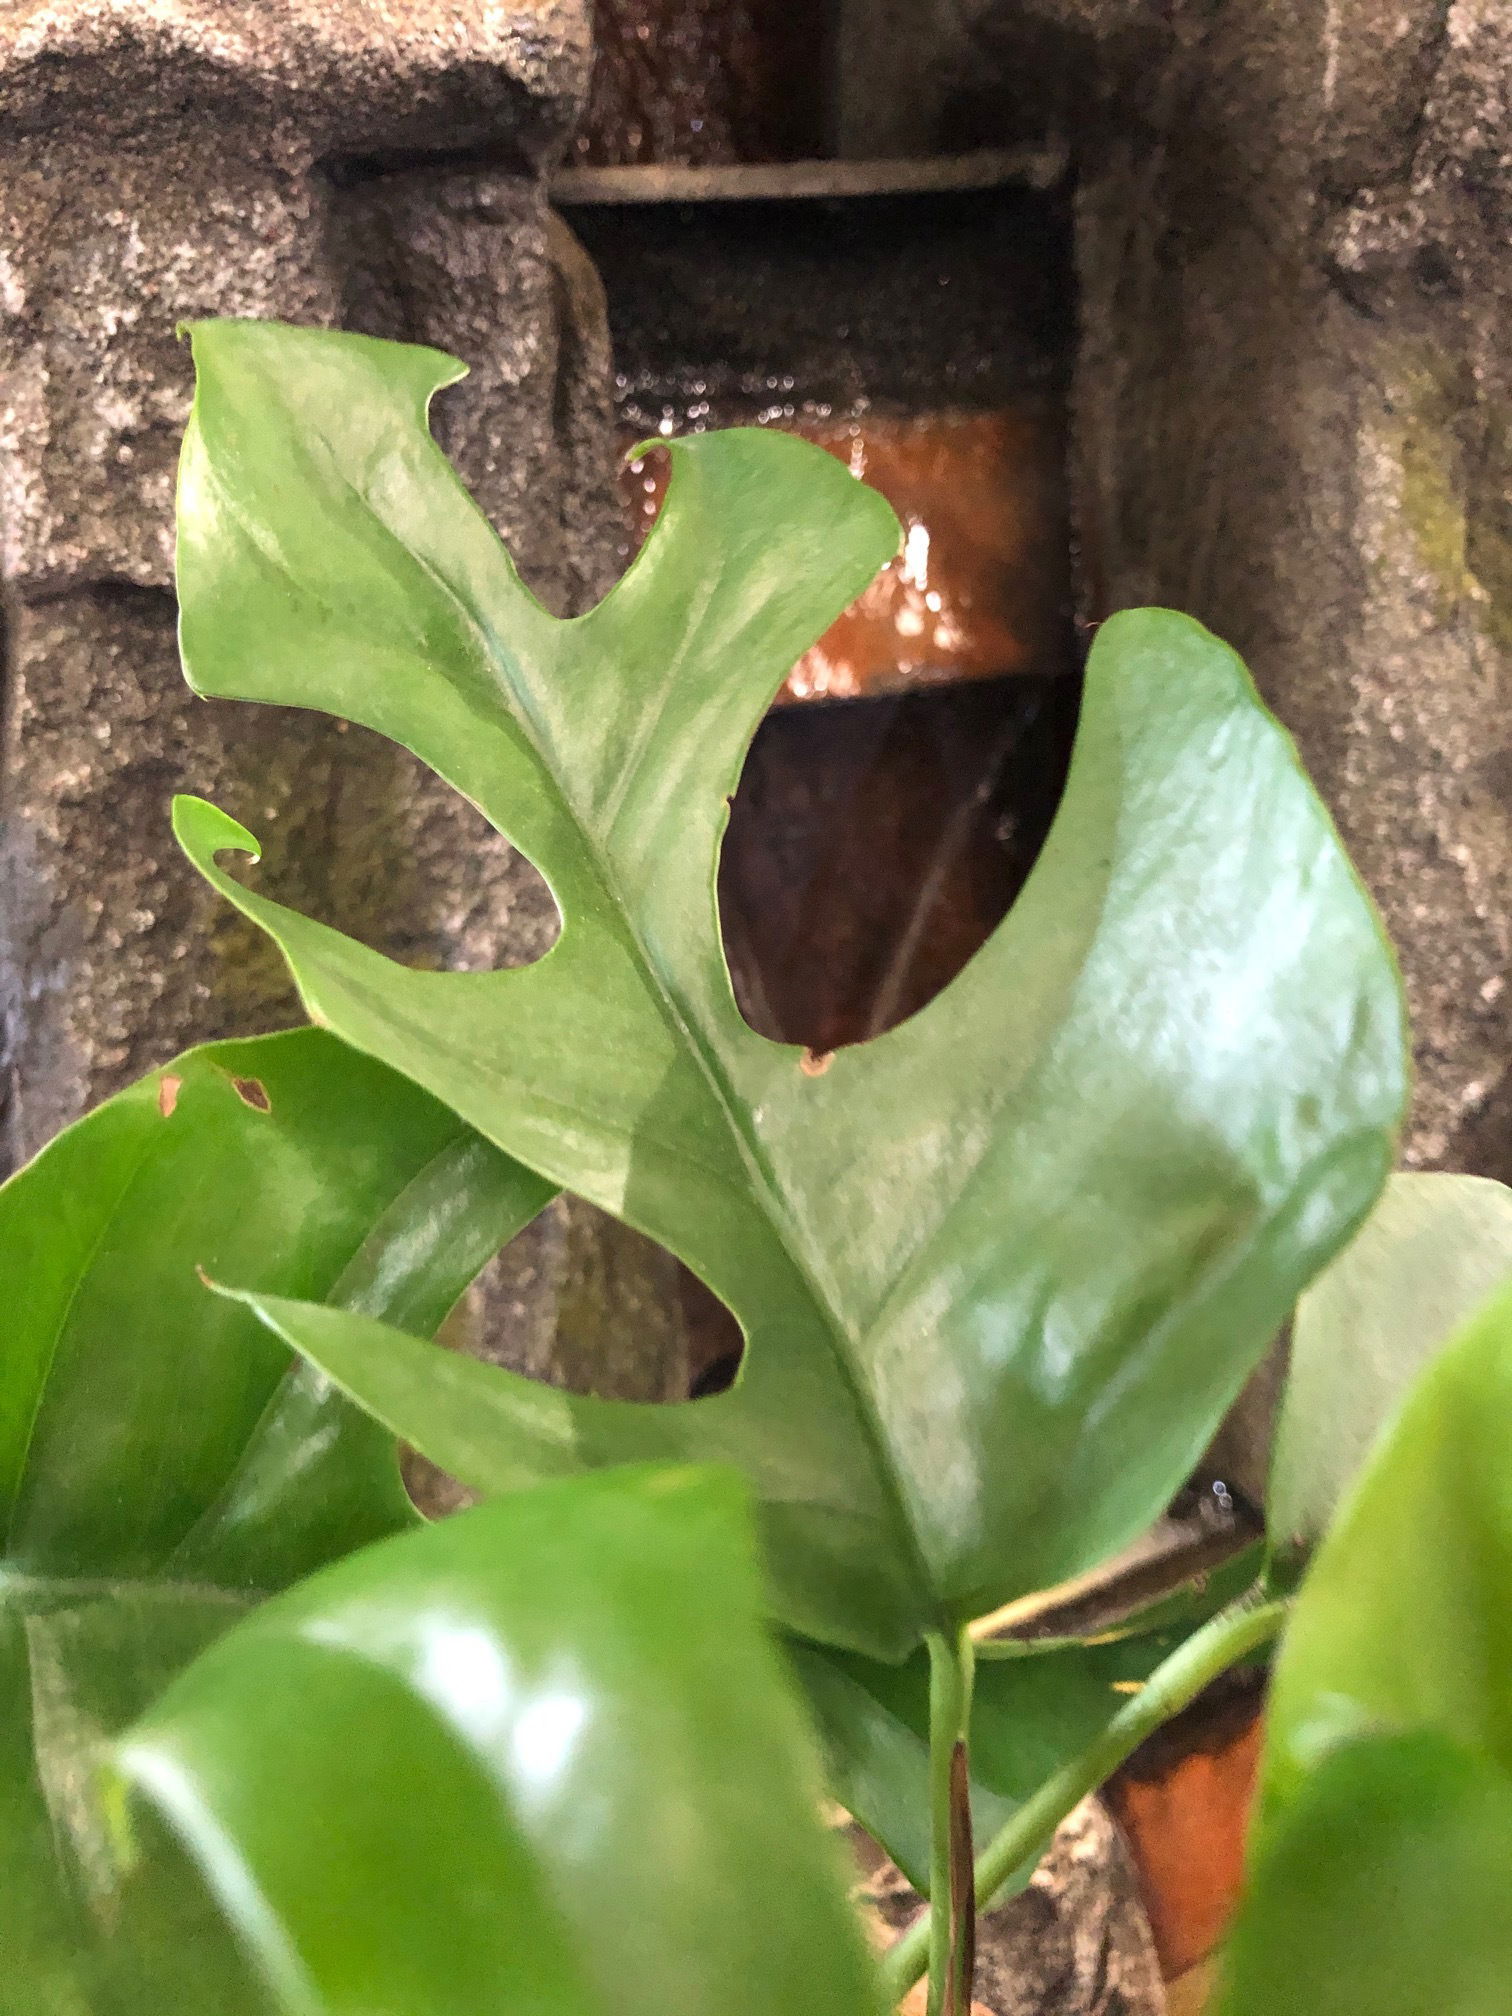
[[162, 1465], [1378, 1869], [1001, 1270], [541, 1757], [1422, 1263]]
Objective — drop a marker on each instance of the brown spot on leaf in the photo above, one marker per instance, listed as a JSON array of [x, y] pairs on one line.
[[252, 1092], [814, 1063], [168, 1091]]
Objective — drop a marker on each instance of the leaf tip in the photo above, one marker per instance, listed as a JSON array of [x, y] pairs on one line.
[[203, 831]]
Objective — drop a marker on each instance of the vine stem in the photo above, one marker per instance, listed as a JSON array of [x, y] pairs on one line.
[[1222, 1642], [950, 1929]]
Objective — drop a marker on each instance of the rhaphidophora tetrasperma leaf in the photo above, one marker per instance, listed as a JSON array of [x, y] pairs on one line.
[[1001, 1270]]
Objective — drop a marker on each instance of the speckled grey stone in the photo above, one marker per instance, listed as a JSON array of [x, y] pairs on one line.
[[326, 77]]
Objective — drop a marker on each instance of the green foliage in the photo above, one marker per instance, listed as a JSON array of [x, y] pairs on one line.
[[1385, 1891], [1428, 1255], [1385, 1826], [553, 1765], [1000, 1273], [1036, 1704], [161, 1465], [1002, 1269], [1028, 1718], [1405, 1618]]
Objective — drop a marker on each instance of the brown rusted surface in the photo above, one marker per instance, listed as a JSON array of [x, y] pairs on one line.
[[704, 81], [874, 844], [1185, 1824], [921, 339], [979, 584]]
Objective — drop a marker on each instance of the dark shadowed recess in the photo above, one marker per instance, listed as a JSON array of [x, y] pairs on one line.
[[704, 81]]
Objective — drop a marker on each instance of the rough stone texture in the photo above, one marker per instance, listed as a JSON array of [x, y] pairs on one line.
[[476, 263], [1076, 1942], [320, 76], [161, 164], [577, 1300], [1294, 397]]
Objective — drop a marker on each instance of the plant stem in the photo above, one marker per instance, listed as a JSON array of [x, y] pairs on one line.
[[1222, 1642], [951, 1925]]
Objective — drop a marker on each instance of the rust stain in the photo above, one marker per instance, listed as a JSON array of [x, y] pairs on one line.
[[814, 1063], [1186, 1830], [978, 587], [168, 1091], [252, 1092]]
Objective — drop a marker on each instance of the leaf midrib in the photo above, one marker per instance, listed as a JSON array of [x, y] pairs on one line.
[[17, 1584]]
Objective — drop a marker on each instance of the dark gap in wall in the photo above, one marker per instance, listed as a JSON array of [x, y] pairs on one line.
[[874, 846]]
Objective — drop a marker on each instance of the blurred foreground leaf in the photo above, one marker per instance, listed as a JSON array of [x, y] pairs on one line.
[[163, 1465], [541, 1757], [1384, 1835], [1422, 1263]]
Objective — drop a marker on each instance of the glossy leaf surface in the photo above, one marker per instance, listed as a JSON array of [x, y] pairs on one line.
[[1425, 1259], [1000, 1270], [1386, 1790], [539, 1757], [161, 1462]]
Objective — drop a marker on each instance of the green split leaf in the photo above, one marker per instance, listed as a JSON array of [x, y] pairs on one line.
[[1001, 1270]]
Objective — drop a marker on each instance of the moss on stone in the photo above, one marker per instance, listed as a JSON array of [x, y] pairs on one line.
[[1455, 451]]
